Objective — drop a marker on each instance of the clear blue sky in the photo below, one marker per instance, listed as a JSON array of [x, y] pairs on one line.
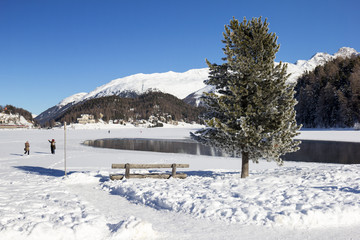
[[52, 49]]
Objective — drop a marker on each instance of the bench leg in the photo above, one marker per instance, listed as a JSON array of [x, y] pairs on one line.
[[173, 174], [127, 170]]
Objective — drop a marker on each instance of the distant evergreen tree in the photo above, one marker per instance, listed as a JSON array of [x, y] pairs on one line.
[[328, 106], [252, 111], [307, 106]]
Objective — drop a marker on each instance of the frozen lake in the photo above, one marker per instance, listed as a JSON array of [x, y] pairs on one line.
[[186, 146], [310, 151]]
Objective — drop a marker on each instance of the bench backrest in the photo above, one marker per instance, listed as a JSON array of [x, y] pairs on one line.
[[134, 165]]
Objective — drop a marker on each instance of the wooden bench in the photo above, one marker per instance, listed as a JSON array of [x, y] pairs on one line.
[[129, 166]]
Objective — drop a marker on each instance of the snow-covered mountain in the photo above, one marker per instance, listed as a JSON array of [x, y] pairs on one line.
[[188, 85], [72, 99], [301, 66], [177, 84]]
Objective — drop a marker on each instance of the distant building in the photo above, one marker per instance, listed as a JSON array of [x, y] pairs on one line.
[[86, 118]]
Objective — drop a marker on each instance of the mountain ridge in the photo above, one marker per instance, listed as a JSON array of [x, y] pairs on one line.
[[188, 85]]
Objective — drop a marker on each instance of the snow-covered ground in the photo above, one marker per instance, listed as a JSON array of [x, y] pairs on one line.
[[295, 201]]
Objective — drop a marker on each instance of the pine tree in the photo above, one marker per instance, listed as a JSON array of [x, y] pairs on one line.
[[252, 110]]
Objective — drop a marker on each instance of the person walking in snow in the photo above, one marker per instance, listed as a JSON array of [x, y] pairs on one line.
[[27, 148], [52, 146]]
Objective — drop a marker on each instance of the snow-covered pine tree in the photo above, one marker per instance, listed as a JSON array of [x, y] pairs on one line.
[[251, 113]]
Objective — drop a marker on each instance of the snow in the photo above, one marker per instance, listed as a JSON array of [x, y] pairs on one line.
[[296, 201], [177, 84], [263, 199], [73, 98], [346, 52], [340, 135]]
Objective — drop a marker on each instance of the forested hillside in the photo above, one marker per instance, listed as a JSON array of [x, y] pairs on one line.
[[141, 107], [329, 96]]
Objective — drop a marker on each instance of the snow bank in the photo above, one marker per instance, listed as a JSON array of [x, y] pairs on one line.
[[340, 135], [132, 228], [298, 197]]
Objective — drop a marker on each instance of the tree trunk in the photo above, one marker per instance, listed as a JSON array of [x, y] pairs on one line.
[[245, 164]]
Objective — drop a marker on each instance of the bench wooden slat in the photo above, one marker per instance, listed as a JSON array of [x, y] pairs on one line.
[[163, 176], [128, 166], [149, 175], [132, 165]]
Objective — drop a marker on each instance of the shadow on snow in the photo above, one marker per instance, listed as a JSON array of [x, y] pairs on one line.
[[335, 188], [43, 171], [48, 153], [17, 154]]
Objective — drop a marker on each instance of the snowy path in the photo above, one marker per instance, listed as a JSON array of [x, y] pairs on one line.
[[166, 224]]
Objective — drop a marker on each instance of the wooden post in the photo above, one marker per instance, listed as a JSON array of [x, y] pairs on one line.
[[127, 170], [65, 147], [173, 170]]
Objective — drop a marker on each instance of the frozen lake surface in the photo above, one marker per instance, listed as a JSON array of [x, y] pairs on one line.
[[310, 151]]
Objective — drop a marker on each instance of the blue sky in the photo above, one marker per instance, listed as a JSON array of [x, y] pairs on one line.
[[52, 49]]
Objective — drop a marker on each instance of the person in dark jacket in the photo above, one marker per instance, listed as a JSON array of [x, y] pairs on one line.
[[52, 146], [27, 148]]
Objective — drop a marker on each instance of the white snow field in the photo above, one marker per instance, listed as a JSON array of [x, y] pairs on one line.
[[296, 201]]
